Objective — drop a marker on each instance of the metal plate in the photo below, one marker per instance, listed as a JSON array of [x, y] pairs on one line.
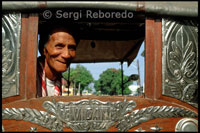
[[11, 35], [180, 60], [93, 115]]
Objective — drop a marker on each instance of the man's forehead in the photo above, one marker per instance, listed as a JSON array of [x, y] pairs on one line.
[[60, 29], [60, 36]]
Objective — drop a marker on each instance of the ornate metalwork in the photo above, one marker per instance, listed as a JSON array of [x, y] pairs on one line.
[[92, 115], [33, 129], [187, 125], [3, 129], [89, 115], [11, 30], [180, 60], [139, 130], [145, 114], [41, 118], [84, 115], [156, 128]]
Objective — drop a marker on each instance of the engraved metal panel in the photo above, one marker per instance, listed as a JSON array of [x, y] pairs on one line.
[[180, 60], [139, 116], [92, 115], [11, 34]]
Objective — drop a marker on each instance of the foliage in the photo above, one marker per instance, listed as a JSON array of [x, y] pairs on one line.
[[109, 83], [88, 88], [79, 75]]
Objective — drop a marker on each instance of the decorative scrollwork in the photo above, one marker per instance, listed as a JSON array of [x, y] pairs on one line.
[[92, 115], [83, 115], [180, 59], [141, 115], [11, 28], [38, 117]]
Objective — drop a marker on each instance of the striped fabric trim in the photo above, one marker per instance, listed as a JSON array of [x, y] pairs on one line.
[[44, 89]]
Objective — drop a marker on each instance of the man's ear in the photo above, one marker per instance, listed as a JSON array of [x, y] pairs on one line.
[[44, 51]]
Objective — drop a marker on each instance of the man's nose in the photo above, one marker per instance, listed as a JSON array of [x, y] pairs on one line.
[[66, 53]]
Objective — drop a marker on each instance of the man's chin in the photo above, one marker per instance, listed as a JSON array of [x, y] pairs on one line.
[[61, 67], [61, 70]]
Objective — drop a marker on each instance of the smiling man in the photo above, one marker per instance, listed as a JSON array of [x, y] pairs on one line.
[[57, 47]]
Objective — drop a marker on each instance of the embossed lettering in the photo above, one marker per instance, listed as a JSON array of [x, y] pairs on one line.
[[88, 113], [75, 114]]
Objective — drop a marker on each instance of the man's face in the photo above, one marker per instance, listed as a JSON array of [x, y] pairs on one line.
[[59, 51]]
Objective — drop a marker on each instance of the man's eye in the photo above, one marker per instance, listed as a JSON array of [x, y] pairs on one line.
[[59, 45], [72, 47]]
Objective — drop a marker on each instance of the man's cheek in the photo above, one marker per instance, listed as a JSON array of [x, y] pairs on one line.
[[55, 53], [73, 54]]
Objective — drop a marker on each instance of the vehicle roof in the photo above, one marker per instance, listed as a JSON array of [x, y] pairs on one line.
[[171, 8], [113, 40]]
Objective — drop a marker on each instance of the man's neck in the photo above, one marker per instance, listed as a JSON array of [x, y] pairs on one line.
[[50, 74]]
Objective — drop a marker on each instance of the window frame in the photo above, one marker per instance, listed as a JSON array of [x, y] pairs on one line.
[[28, 60]]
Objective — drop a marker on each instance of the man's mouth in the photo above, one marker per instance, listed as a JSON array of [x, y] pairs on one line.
[[63, 62]]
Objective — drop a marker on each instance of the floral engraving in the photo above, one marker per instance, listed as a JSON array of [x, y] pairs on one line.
[[180, 60], [11, 27], [145, 114], [92, 115], [84, 115]]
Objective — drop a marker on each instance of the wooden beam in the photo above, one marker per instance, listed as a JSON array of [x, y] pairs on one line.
[[31, 61], [153, 58], [23, 51]]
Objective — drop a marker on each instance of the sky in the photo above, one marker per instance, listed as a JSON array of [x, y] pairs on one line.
[[97, 68]]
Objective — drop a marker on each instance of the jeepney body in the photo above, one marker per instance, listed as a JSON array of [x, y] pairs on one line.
[[170, 33]]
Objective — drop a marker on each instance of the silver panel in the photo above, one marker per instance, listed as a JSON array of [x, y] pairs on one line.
[[92, 115], [11, 34], [81, 116], [180, 60], [139, 116]]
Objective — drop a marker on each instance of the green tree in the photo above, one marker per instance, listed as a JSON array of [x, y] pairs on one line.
[[110, 83], [79, 75]]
